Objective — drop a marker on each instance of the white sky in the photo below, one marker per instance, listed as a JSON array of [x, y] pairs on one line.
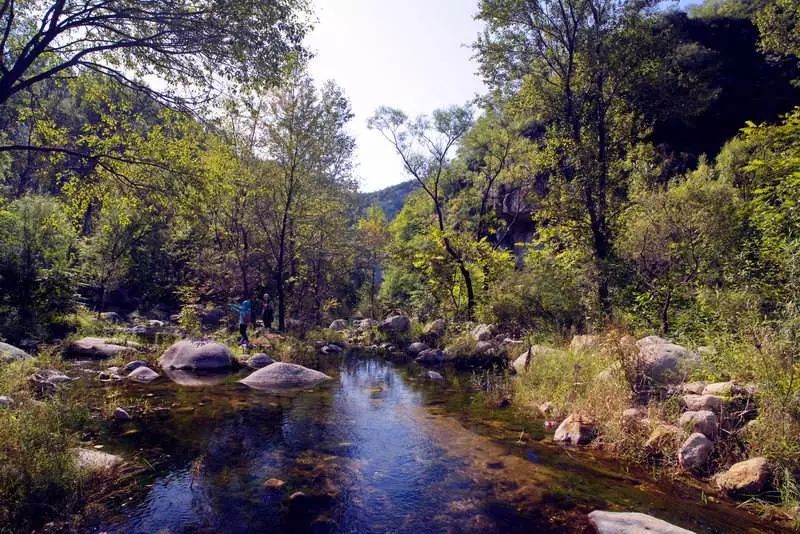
[[409, 54]]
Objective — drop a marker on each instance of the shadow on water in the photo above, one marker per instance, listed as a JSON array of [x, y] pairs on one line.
[[380, 449]]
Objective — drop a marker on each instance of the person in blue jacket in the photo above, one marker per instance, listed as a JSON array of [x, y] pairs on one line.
[[243, 310]]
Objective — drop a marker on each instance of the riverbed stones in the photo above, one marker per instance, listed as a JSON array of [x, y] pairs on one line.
[[694, 453], [704, 422], [416, 348], [93, 461], [121, 415], [665, 363], [132, 366], [259, 361], [631, 523], [282, 375], [748, 477], [575, 430], [395, 324], [96, 348], [482, 332], [430, 357], [143, 375], [10, 353], [197, 355], [697, 403], [338, 325]]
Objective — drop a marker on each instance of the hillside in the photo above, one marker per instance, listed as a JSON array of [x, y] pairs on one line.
[[390, 199]]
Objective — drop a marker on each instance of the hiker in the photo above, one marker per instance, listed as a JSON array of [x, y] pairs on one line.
[[267, 314], [244, 315]]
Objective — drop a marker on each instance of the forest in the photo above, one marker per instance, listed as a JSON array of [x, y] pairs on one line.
[[632, 170]]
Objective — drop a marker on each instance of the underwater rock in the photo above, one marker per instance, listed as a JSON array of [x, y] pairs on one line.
[[282, 375], [197, 355], [750, 476], [630, 523]]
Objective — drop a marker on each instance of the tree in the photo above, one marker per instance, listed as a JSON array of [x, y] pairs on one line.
[[778, 22], [425, 146], [373, 235]]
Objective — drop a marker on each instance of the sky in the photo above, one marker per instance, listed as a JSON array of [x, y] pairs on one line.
[[409, 54]]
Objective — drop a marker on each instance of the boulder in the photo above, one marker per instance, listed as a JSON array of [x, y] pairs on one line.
[[92, 461], [96, 348], [396, 324], [338, 325], [722, 389], [284, 376], [650, 340], [365, 324], [132, 366], [698, 403], [10, 353], [485, 348], [631, 523], [433, 375], [482, 332], [435, 329], [121, 415], [692, 388], [704, 422], [430, 356], [48, 380], [748, 477], [197, 355], [584, 342], [112, 317], [663, 436], [213, 317], [258, 361], [6, 402], [143, 375], [526, 359], [416, 348], [575, 430], [666, 363], [694, 453], [331, 349], [633, 416]]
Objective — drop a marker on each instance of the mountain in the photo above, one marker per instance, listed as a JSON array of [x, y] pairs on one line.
[[390, 199]]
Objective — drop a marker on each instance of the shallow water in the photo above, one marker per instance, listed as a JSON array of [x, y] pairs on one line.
[[379, 449]]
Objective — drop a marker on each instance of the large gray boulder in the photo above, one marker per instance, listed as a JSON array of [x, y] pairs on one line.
[[97, 348], [748, 477], [631, 523], [704, 422], [213, 317], [665, 363], [430, 357], [259, 361], [282, 375], [197, 355], [575, 430], [694, 453], [697, 403], [10, 353], [397, 324]]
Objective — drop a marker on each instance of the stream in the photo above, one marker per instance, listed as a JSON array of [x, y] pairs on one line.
[[381, 448]]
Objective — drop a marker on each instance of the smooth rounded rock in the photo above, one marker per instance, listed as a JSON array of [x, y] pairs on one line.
[[575, 430], [282, 375], [430, 357], [694, 453], [482, 332], [132, 366], [397, 324], [416, 348], [259, 361], [433, 375], [698, 403], [92, 461], [748, 477], [704, 422], [197, 355], [143, 375], [666, 363], [10, 353]]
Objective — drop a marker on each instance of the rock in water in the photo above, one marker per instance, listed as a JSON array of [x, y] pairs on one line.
[[96, 348], [750, 476], [197, 378], [132, 366], [575, 430], [10, 353], [197, 355], [93, 461], [259, 361], [430, 356], [284, 376], [143, 375], [631, 523]]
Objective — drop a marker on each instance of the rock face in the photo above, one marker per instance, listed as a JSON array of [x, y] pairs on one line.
[[704, 422], [697, 403], [143, 375], [693, 454], [96, 348], [338, 325], [631, 523], [416, 348], [482, 332], [397, 324], [10, 353], [93, 461], [750, 476], [284, 376], [665, 363], [197, 355], [575, 430], [430, 356], [258, 361]]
